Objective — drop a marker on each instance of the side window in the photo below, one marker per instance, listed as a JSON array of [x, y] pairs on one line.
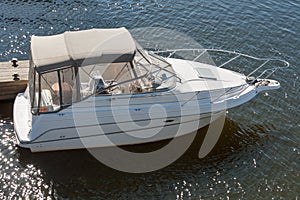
[[57, 89], [68, 81], [50, 97]]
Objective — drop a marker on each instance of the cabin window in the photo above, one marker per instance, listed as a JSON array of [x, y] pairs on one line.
[[205, 73], [54, 90]]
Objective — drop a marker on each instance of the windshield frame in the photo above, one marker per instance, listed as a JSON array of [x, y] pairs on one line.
[[147, 56]]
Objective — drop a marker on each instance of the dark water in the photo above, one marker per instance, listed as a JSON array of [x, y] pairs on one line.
[[258, 155]]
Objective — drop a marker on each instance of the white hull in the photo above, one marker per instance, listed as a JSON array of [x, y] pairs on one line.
[[90, 124], [96, 140]]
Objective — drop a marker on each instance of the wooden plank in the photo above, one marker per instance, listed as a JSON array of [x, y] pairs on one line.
[[13, 83], [8, 87], [13, 90], [9, 90], [6, 70]]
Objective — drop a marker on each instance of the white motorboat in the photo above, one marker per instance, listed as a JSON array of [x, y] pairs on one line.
[[99, 88]]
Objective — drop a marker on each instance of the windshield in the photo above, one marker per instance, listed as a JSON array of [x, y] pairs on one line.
[[145, 73]]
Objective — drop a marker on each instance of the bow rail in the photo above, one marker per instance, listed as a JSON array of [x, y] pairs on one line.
[[232, 56]]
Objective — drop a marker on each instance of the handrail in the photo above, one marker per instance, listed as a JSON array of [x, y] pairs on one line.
[[236, 56], [216, 50]]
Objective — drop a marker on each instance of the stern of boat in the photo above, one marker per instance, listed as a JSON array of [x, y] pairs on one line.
[[22, 119]]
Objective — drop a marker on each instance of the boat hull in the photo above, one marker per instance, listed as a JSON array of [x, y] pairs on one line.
[[97, 139], [111, 121]]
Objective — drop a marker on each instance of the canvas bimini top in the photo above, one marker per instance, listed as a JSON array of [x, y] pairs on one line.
[[80, 48]]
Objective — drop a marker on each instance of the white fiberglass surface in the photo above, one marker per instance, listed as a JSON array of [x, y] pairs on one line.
[[204, 77], [22, 117]]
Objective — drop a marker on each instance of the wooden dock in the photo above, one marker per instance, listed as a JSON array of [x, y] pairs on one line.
[[9, 87]]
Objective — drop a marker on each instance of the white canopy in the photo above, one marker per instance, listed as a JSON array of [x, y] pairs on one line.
[[82, 48]]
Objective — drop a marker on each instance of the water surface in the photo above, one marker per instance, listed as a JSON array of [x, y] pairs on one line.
[[257, 156]]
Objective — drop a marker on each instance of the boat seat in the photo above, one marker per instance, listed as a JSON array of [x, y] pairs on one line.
[[98, 85]]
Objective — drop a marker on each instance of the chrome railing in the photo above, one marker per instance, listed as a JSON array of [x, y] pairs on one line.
[[232, 56], [196, 54]]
